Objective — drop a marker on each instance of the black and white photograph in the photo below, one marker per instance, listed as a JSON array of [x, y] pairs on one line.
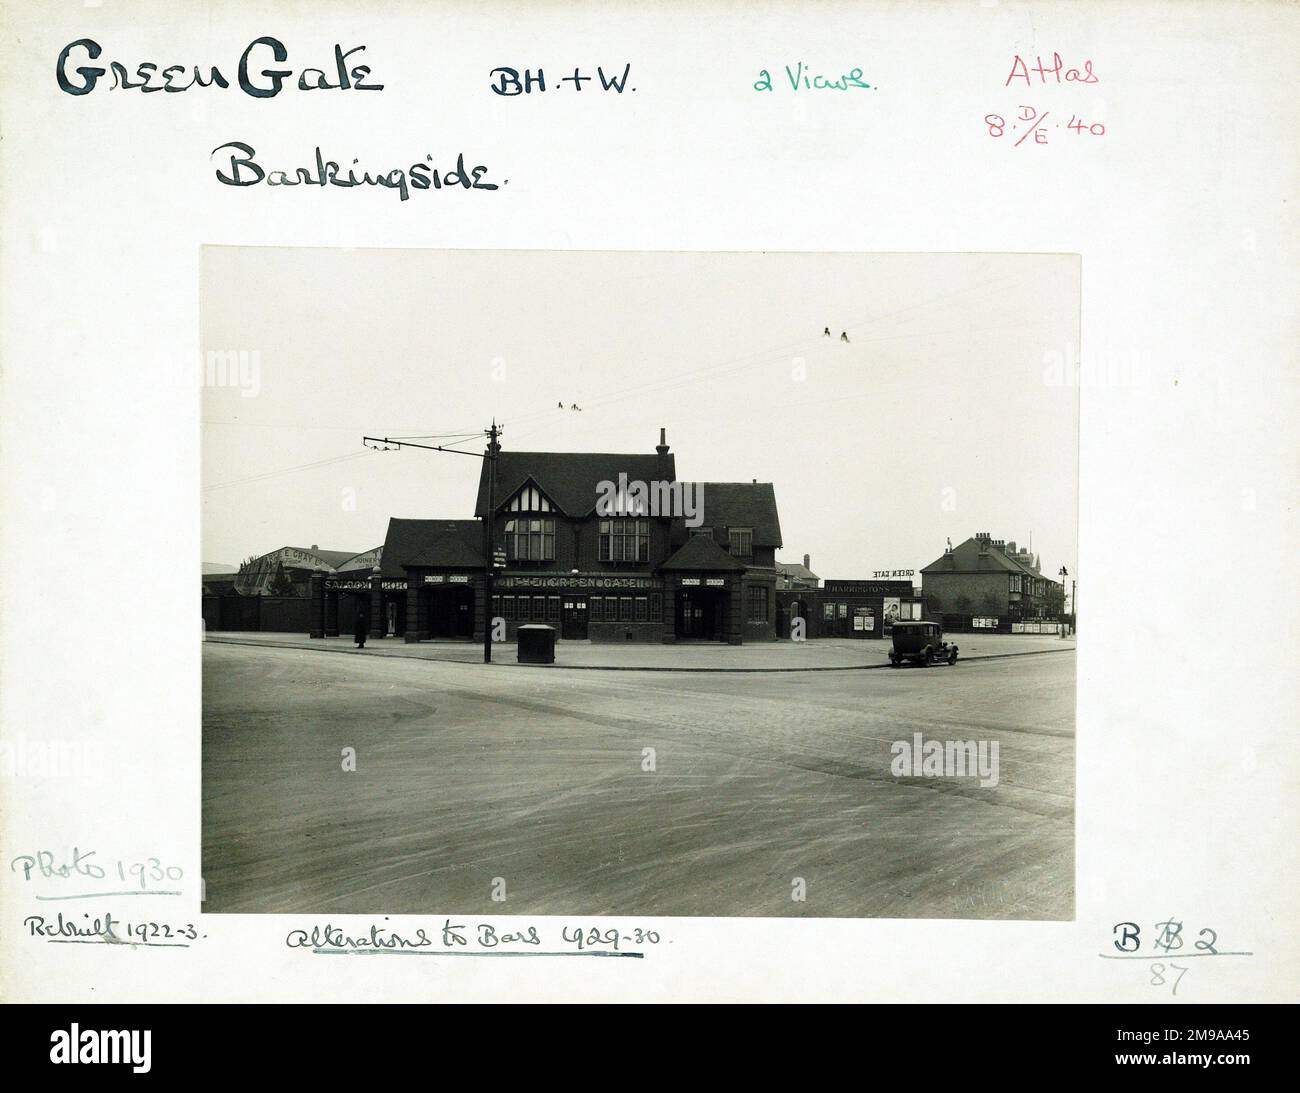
[[672, 584], [691, 503]]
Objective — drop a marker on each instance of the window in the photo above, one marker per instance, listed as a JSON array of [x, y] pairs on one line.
[[741, 541], [496, 607], [656, 608], [596, 615], [642, 609], [553, 609], [625, 539], [508, 608], [758, 604], [611, 609], [625, 609], [539, 609], [828, 611], [530, 540]]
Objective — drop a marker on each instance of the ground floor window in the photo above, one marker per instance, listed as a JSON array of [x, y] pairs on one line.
[[758, 604], [508, 608], [642, 609], [625, 609], [656, 608], [553, 609]]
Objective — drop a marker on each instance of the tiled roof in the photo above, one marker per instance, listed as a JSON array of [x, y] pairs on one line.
[[967, 558], [796, 569], [434, 543], [569, 479], [702, 553], [742, 505]]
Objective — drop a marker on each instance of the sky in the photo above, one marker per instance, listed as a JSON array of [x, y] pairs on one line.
[[946, 413]]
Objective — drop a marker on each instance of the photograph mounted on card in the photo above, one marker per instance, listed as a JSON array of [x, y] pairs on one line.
[[545, 583]]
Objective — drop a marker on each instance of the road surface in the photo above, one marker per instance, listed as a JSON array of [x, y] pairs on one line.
[[473, 780]]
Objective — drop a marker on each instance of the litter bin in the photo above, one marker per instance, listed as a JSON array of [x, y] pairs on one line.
[[536, 644]]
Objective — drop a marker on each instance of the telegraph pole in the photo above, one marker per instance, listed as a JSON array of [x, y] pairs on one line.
[[388, 444], [489, 537]]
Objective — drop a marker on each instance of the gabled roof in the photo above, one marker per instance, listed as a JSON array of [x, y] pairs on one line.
[[742, 505], [569, 479], [796, 569], [967, 558], [701, 553], [434, 543]]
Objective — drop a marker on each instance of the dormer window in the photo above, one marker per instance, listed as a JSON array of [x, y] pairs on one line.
[[740, 541]]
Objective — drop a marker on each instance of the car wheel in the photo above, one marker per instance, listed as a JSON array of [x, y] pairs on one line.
[[952, 657], [929, 657]]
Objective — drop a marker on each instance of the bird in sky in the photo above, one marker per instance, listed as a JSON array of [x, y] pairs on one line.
[[844, 335], [827, 332]]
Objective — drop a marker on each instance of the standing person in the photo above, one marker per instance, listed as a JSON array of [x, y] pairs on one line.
[[361, 629]]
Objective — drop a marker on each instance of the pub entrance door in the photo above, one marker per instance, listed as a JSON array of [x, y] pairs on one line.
[[450, 611], [573, 618], [700, 614]]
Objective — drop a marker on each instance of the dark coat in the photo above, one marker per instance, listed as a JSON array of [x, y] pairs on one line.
[[362, 628]]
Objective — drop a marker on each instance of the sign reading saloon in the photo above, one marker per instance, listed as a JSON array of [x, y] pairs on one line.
[[363, 585]]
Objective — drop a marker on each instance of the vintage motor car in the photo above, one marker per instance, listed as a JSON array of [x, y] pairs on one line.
[[921, 643]]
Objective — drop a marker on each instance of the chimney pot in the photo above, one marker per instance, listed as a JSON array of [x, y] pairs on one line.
[[807, 562]]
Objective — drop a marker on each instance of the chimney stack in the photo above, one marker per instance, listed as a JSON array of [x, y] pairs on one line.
[[661, 450], [807, 563]]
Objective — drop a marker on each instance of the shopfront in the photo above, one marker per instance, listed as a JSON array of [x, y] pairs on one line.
[[849, 608]]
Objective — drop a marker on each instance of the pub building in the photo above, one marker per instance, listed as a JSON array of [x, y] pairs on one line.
[[644, 577]]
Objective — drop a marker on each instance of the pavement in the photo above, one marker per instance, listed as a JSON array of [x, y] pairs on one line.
[[630, 793], [821, 654]]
